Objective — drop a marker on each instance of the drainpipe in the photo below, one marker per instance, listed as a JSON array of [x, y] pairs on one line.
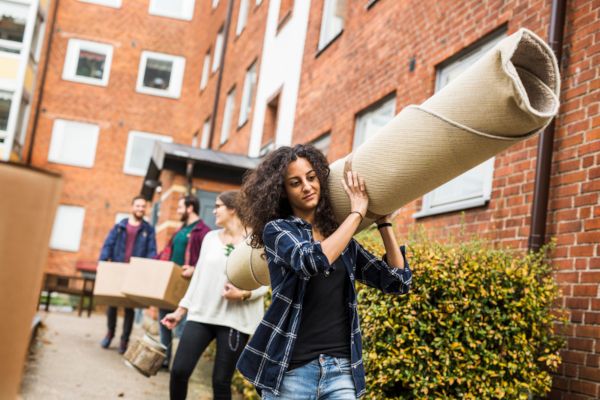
[[213, 117], [539, 208], [42, 82]]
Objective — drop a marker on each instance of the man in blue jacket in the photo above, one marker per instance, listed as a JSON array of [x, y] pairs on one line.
[[130, 237]]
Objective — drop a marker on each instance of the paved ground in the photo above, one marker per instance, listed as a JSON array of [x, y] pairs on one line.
[[67, 362]]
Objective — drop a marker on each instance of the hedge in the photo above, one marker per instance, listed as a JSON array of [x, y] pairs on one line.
[[477, 324]]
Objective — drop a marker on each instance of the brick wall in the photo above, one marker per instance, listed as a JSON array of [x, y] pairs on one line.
[[370, 60]]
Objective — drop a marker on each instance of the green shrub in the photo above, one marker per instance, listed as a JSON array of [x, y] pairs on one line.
[[477, 324]]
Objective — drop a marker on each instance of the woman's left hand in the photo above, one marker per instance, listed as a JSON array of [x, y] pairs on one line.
[[230, 292]]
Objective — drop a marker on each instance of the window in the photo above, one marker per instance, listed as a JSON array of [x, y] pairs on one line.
[[160, 74], [108, 3], [205, 141], [87, 62], [218, 51], [5, 103], [73, 143], [215, 3], [13, 19], [270, 124], [37, 38], [322, 143], [242, 16], [67, 228], [474, 187], [228, 115], [371, 120], [258, 2], [139, 151], [205, 70], [332, 23], [248, 94], [180, 9]]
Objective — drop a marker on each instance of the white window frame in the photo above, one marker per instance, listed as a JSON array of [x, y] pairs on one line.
[[267, 148], [58, 137], [326, 35], [436, 202], [72, 59], [107, 3], [176, 79], [242, 16], [215, 4], [130, 142], [186, 13], [76, 229], [10, 44], [204, 142], [228, 116], [218, 53], [248, 94], [361, 130], [205, 71]]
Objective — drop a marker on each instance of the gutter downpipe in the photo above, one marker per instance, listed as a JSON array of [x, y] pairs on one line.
[[38, 106], [213, 117], [539, 207]]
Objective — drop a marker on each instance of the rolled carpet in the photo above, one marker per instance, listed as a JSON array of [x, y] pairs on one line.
[[509, 94]]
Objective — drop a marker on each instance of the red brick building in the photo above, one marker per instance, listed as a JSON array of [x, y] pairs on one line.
[[261, 74]]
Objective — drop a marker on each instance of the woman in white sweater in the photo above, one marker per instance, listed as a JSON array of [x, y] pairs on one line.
[[215, 308]]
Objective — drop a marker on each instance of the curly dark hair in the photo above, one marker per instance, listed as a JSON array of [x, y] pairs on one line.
[[263, 191]]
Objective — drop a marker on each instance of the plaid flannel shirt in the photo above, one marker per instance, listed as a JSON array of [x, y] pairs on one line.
[[294, 257]]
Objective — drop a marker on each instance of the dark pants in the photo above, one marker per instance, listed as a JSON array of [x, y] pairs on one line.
[[166, 335], [111, 314], [196, 337]]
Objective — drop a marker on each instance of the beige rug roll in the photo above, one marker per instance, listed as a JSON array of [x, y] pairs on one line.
[[508, 95], [246, 268]]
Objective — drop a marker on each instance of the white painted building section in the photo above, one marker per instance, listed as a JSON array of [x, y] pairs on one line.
[[12, 82], [280, 69]]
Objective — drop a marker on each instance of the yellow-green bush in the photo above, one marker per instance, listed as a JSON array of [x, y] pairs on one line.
[[477, 324]]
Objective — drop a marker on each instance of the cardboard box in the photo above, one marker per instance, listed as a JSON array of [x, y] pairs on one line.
[[27, 207], [155, 283], [110, 277]]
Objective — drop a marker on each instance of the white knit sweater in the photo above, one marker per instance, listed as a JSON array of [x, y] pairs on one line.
[[204, 297]]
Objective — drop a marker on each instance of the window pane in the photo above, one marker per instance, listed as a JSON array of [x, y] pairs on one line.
[[227, 116], [170, 7], [158, 73], [73, 143], [242, 16], [13, 18], [91, 64], [248, 94], [139, 151], [205, 134], [67, 228], [5, 102], [205, 71], [369, 122], [218, 51], [322, 143], [333, 20]]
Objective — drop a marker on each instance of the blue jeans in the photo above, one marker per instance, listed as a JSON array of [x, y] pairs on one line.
[[326, 378]]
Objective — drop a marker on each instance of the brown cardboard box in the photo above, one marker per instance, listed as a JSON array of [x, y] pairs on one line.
[[110, 277], [155, 283], [27, 206]]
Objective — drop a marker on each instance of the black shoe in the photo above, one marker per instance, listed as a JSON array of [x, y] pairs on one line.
[[105, 343], [123, 346]]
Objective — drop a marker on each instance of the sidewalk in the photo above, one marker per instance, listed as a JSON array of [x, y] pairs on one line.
[[68, 363]]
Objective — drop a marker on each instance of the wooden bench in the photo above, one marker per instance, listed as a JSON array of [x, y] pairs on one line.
[[70, 284]]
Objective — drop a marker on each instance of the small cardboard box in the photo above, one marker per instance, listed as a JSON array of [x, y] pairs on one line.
[[155, 283], [110, 277]]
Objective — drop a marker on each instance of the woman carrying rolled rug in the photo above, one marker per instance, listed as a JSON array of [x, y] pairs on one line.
[[215, 308], [308, 345]]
